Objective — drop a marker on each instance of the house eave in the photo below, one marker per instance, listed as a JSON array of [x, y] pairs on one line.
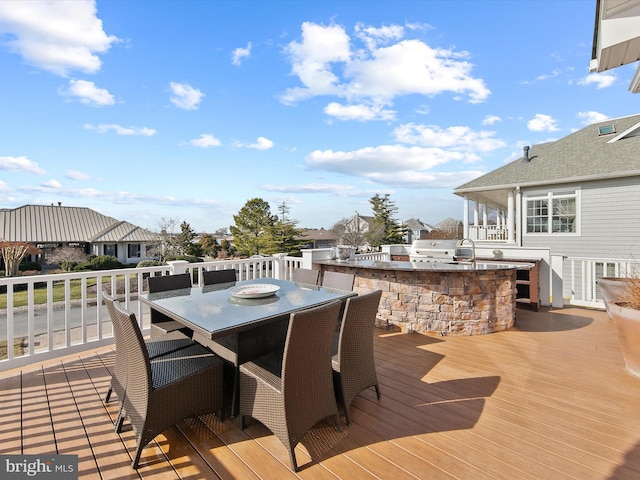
[[542, 183]]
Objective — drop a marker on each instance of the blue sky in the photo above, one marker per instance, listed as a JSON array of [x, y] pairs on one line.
[[185, 110]]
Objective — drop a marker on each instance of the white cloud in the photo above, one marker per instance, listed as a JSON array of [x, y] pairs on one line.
[[51, 185], [4, 187], [433, 162], [185, 96], [262, 143], [88, 93], [383, 158], [458, 138], [491, 119], [600, 80], [546, 76], [20, 164], [358, 112], [57, 36], [205, 140], [327, 63], [330, 188], [542, 123], [104, 128], [240, 53], [373, 36], [587, 118], [311, 60], [79, 176]]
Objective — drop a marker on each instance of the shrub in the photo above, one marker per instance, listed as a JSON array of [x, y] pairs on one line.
[[631, 293], [149, 263], [103, 262], [26, 266], [188, 258]]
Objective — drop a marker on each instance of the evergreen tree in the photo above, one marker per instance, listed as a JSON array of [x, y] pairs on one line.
[[209, 245], [185, 242], [384, 229], [284, 234], [253, 227]]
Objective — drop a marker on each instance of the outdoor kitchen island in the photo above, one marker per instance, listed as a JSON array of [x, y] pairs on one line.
[[436, 297]]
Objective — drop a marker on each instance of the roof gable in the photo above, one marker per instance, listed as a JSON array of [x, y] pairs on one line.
[[580, 156], [59, 224]]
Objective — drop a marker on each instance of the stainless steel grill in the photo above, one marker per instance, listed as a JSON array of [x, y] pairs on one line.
[[433, 251]]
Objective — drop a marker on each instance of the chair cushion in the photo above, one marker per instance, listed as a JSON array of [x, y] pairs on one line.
[[173, 366], [267, 368]]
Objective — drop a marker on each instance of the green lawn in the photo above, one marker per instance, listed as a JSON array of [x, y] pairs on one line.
[[17, 349], [40, 294]]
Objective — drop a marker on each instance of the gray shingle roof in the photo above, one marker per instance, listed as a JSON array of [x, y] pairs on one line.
[[583, 155], [56, 224], [416, 224]]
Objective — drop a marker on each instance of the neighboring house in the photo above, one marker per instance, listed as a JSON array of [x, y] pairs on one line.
[[355, 231], [51, 227], [452, 228], [416, 230], [318, 238], [616, 37], [578, 196]]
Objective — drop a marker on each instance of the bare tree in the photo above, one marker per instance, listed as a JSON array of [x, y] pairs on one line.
[[67, 257], [12, 254], [168, 229], [348, 232]]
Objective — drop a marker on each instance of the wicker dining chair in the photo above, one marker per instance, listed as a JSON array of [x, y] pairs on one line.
[[305, 275], [160, 323], [291, 390], [353, 362], [177, 385], [212, 277], [337, 280], [157, 347], [234, 348]]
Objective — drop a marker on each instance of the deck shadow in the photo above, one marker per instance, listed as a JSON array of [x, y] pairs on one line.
[[551, 320]]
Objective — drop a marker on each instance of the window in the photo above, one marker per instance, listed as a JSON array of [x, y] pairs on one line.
[[110, 249], [553, 212], [606, 130], [133, 250]]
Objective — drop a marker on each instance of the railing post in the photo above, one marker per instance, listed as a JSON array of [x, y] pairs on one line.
[[311, 254], [557, 295], [279, 266], [178, 266]]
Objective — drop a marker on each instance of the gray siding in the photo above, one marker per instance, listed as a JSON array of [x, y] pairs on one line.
[[610, 222], [610, 227]]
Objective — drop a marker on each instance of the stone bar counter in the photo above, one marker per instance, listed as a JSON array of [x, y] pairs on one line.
[[437, 298]]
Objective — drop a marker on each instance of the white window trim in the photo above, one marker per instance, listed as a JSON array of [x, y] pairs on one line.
[[550, 195]]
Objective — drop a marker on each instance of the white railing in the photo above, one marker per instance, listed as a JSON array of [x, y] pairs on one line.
[[58, 314], [584, 273], [488, 233], [382, 256]]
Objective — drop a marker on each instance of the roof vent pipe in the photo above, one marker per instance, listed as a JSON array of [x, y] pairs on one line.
[[526, 153]]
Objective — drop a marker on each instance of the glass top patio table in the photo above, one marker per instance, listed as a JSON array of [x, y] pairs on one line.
[[213, 311]]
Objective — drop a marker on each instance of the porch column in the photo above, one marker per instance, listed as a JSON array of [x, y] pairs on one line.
[[476, 214], [510, 218], [518, 217], [465, 217]]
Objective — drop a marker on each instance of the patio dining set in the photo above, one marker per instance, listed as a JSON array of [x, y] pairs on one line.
[[284, 353]]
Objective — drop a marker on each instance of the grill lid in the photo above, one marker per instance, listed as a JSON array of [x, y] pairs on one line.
[[432, 250]]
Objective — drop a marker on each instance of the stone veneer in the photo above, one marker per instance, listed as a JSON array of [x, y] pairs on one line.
[[469, 302]]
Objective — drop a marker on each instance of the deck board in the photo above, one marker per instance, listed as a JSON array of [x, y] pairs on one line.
[[547, 399]]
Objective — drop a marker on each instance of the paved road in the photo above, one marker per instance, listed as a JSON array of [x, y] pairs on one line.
[[75, 319]]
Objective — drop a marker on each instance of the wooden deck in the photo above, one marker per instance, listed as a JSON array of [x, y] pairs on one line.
[[548, 399]]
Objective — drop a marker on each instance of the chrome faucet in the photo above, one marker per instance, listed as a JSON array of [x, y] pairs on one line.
[[466, 254]]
